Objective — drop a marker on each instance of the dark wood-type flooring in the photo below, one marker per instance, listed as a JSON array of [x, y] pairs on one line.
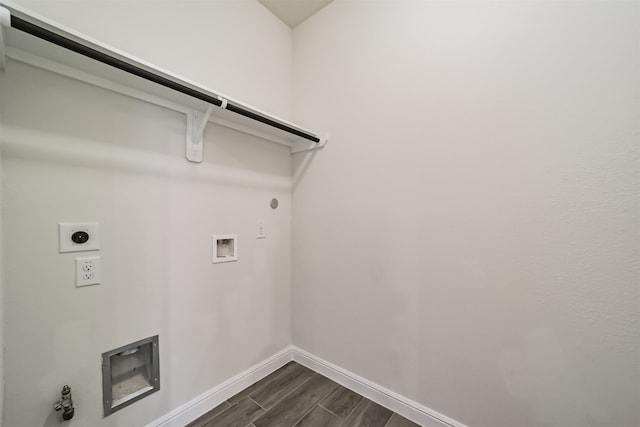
[[297, 396]]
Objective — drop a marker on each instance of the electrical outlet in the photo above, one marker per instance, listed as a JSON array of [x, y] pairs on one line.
[[79, 236], [260, 230], [87, 271]]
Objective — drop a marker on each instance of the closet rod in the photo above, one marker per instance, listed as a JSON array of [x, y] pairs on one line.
[[37, 31]]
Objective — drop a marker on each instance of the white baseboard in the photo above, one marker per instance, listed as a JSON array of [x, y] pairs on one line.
[[197, 407], [407, 408]]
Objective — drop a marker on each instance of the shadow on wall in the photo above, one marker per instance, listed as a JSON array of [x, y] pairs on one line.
[[52, 420], [301, 165], [46, 147]]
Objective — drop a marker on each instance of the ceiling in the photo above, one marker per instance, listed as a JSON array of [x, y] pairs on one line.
[[293, 12]]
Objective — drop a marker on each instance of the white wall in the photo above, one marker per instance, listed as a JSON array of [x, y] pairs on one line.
[[469, 237], [72, 152], [236, 47], [2, 311]]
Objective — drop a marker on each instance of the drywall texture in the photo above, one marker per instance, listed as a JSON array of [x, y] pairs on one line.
[[73, 152], [469, 237]]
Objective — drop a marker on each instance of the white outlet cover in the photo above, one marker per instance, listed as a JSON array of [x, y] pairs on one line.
[[87, 271], [66, 230]]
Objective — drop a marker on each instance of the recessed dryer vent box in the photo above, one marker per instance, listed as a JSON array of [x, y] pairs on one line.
[[129, 373], [225, 248]]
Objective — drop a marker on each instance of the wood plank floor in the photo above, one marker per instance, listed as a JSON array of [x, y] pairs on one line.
[[296, 396]]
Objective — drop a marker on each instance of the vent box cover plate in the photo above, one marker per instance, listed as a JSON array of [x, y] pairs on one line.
[[129, 373]]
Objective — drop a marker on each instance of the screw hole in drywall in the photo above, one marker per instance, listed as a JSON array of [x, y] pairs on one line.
[[274, 203]]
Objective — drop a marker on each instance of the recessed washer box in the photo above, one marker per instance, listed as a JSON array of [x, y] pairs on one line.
[[225, 248], [130, 373]]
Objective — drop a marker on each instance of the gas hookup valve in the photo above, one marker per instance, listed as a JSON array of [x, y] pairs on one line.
[[65, 404]]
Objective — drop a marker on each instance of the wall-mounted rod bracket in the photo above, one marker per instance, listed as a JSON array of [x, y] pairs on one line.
[[302, 147], [5, 21], [196, 122]]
